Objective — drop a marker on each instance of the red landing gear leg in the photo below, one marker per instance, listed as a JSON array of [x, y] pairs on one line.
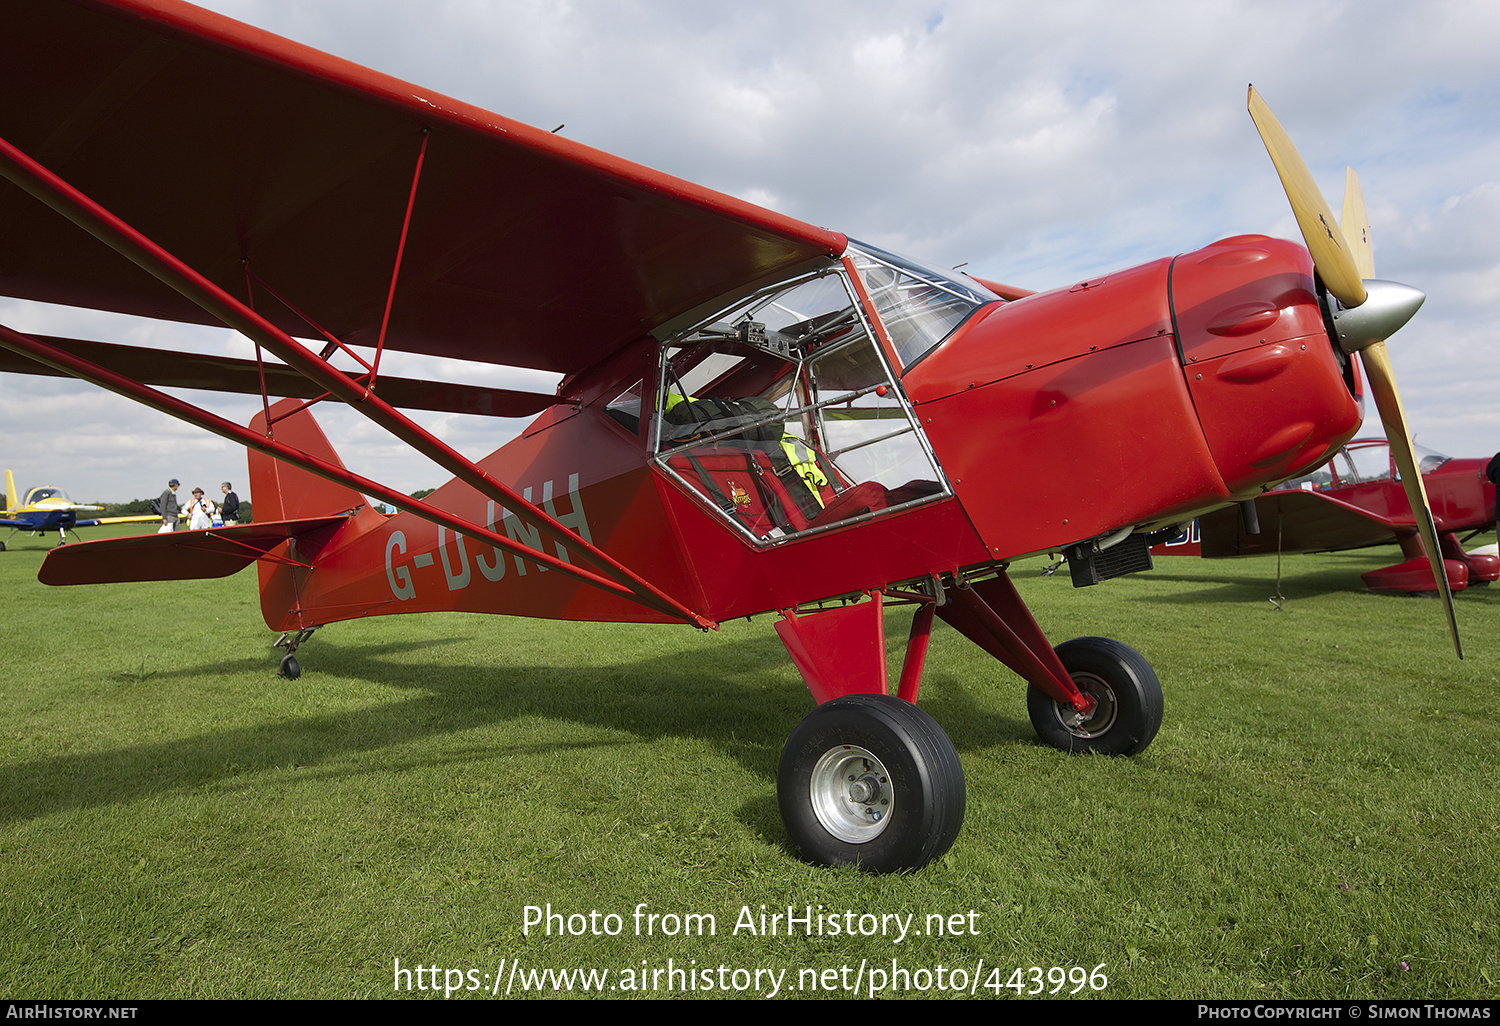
[[1483, 569], [916, 652], [839, 651]]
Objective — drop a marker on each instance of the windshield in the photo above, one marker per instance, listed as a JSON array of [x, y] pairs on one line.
[[1428, 460], [919, 304], [1372, 461], [1363, 462]]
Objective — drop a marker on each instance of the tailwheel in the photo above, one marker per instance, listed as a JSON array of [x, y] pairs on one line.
[[1127, 696], [869, 780], [290, 668]]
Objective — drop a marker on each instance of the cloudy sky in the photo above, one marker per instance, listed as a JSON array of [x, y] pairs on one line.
[[1039, 143]]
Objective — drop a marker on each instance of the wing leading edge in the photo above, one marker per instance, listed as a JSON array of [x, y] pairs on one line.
[[281, 171]]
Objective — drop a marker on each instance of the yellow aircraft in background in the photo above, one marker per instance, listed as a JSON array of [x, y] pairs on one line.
[[46, 508]]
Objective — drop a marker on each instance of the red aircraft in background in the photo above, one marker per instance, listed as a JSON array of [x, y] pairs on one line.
[[1357, 501], [755, 415]]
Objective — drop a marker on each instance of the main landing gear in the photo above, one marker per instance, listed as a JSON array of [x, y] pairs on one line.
[[1127, 700], [869, 780]]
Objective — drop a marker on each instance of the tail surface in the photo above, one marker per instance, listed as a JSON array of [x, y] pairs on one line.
[[12, 500], [297, 517], [281, 491]]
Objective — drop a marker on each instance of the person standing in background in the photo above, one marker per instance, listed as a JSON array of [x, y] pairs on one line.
[[168, 508], [200, 512], [229, 509]]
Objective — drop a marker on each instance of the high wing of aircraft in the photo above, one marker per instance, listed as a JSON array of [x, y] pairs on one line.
[[756, 415], [1356, 501], [46, 508]]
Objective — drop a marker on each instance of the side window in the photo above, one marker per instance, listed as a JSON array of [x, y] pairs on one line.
[[626, 408], [781, 415], [1369, 462]]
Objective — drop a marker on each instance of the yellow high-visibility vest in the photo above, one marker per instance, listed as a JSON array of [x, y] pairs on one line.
[[805, 462]]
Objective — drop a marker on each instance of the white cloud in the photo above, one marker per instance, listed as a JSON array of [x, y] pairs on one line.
[[1039, 143]]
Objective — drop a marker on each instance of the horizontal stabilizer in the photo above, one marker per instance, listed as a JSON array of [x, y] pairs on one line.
[[181, 555]]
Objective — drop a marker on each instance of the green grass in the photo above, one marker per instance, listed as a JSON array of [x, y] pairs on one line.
[[1315, 819]]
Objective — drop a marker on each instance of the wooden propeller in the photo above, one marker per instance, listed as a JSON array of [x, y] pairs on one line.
[[1345, 262]]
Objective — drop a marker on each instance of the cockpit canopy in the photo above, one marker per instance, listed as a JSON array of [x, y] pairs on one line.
[[46, 493], [785, 414], [782, 412], [1363, 461]]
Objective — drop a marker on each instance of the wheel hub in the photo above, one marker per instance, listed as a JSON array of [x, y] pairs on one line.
[[1099, 719], [851, 794]]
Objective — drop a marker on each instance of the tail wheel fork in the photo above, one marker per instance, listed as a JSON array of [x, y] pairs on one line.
[[289, 667]]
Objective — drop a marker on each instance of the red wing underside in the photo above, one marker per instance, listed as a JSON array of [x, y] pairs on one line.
[[181, 555], [1298, 522], [247, 155]]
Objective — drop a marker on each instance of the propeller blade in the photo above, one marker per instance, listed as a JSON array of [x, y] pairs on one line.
[[1388, 401], [1356, 225], [1325, 241], [1343, 258]]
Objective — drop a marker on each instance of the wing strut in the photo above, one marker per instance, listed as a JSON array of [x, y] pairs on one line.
[[390, 295], [172, 406], [47, 187]]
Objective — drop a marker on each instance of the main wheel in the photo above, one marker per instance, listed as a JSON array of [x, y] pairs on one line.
[[870, 781], [1119, 679], [290, 668]]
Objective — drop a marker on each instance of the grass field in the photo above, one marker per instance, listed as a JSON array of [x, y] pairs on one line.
[[1316, 819]]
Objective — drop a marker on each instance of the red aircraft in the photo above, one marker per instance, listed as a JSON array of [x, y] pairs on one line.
[[1355, 502], [755, 415]]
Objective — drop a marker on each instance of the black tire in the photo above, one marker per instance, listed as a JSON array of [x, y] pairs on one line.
[[1129, 696], [870, 781], [290, 668]]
